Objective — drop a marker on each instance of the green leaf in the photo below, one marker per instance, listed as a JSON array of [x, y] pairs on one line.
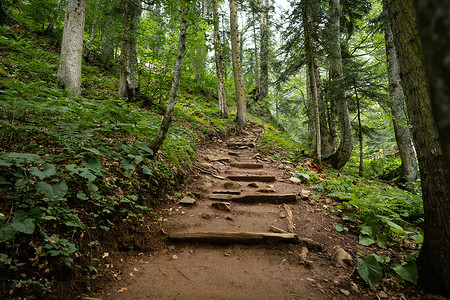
[[351, 217], [370, 270], [7, 231], [93, 150], [127, 164], [93, 163], [31, 157], [382, 259], [82, 196], [147, 170], [418, 238], [146, 148], [85, 173], [407, 271], [45, 189], [382, 241], [60, 189], [366, 230], [47, 171], [366, 240], [340, 228], [25, 226]]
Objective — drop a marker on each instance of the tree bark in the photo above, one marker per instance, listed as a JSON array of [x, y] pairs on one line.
[[434, 29], [344, 152], [237, 68], [360, 135], [168, 116], [129, 80], [401, 129], [219, 64], [69, 70], [434, 259], [264, 49]]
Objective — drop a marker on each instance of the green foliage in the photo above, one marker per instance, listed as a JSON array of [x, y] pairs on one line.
[[407, 271], [370, 270]]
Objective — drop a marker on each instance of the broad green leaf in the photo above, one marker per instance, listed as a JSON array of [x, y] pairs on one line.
[[366, 230], [382, 259], [366, 240], [47, 171], [93, 163], [351, 217], [147, 170], [340, 228], [93, 150], [382, 241], [370, 270], [26, 156], [7, 231], [82, 196], [146, 148], [407, 271], [127, 164], [5, 163], [418, 238], [92, 187], [45, 189], [25, 226], [60, 189], [85, 173]]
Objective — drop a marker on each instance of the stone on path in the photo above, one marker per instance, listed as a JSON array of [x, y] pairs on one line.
[[295, 180], [231, 185], [253, 185], [342, 257], [277, 230], [187, 201], [225, 206]]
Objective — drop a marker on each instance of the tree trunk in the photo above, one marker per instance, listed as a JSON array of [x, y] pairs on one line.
[[237, 68], [434, 21], [401, 129], [344, 152], [129, 72], [168, 116], [94, 24], [434, 258], [107, 56], [360, 136], [69, 70], [219, 65], [51, 26], [263, 90]]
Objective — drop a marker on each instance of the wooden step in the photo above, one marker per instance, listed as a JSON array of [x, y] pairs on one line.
[[247, 165], [237, 145], [232, 237], [228, 192], [256, 198], [261, 178]]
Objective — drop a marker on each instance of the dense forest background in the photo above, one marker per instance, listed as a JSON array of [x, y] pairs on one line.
[[104, 105]]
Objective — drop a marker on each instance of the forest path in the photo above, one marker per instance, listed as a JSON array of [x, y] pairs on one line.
[[227, 250]]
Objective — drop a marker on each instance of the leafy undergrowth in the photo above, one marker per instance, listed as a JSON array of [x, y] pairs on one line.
[[76, 169]]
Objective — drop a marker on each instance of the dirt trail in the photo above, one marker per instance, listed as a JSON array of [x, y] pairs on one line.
[[262, 267]]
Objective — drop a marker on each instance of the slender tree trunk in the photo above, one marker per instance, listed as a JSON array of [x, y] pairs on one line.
[[344, 152], [237, 68], [94, 24], [69, 70], [401, 129], [258, 78], [168, 116], [129, 80], [360, 136], [434, 258], [107, 56], [51, 26], [434, 21], [264, 48], [219, 65]]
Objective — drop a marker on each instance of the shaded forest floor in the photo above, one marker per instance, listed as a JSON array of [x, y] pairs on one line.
[[265, 269]]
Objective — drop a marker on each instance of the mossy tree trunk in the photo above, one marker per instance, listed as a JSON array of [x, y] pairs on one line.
[[168, 116], [434, 258], [263, 89], [401, 126], [237, 68], [69, 69], [219, 63]]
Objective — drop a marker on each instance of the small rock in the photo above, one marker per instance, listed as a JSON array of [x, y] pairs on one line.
[[222, 206], [208, 185], [270, 186], [383, 295], [191, 251], [202, 188], [231, 185], [171, 247], [310, 279], [204, 165], [282, 215], [187, 201], [345, 292], [205, 216], [342, 257], [253, 184], [295, 180], [305, 194], [277, 230], [175, 257]]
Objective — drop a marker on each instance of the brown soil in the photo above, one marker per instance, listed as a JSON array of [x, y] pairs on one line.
[[266, 270]]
